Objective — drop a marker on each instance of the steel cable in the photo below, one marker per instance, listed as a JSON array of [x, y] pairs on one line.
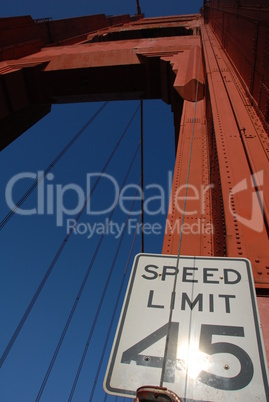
[[48, 169], [82, 286], [113, 314], [58, 253], [181, 229], [100, 305]]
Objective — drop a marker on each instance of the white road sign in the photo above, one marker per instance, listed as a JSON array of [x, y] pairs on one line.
[[214, 351]]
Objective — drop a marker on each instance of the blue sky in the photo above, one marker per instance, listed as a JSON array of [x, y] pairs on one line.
[[66, 9], [29, 243]]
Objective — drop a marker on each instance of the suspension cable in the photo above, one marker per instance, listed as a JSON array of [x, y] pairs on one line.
[[62, 246], [181, 228], [100, 303], [142, 170], [114, 313], [82, 286], [48, 169]]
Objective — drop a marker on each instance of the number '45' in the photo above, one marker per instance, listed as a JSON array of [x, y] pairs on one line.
[[241, 380]]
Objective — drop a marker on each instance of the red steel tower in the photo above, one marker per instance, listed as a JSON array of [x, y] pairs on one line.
[[212, 69]]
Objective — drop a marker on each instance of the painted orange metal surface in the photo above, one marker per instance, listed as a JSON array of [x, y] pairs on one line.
[[242, 239], [197, 232], [21, 36], [237, 161], [243, 30], [134, 69]]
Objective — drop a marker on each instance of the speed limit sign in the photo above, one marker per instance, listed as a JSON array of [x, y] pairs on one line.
[[191, 325]]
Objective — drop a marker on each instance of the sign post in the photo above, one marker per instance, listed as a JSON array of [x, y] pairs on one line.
[[210, 350]]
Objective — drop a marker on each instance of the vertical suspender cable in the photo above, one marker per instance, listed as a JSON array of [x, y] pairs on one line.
[[48, 169], [181, 229], [100, 303], [81, 288], [142, 171], [114, 314], [58, 253]]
